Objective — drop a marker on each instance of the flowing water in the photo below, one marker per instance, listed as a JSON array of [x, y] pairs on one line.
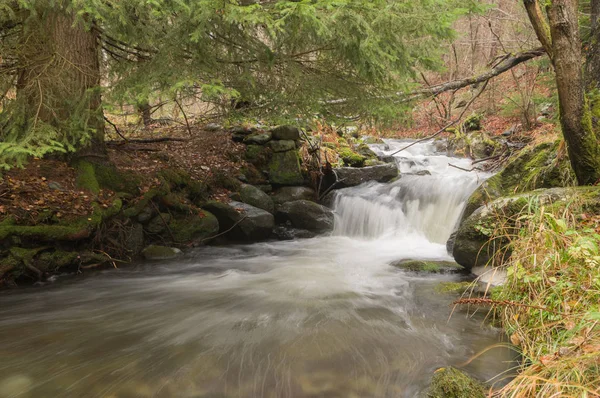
[[322, 317]]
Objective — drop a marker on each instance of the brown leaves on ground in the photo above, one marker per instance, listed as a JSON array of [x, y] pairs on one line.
[[45, 190], [204, 155]]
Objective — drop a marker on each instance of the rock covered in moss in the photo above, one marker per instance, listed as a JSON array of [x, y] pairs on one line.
[[307, 215], [197, 227], [473, 246], [282, 146], [290, 194], [539, 166], [155, 252], [428, 266], [286, 133], [351, 176], [241, 221], [452, 383], [351, 158], [258, 138], [256, 197], [284, 169]]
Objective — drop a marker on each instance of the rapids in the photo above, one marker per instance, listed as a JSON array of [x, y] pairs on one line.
[[322, 317]]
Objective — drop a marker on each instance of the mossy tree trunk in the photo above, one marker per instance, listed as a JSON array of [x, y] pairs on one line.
[[560, 37], [59, 81]]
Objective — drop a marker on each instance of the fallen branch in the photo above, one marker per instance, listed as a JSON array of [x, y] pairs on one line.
[[224, 232], [440, 131], [148, 140]]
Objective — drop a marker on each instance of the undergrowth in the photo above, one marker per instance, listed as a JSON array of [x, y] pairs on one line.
[[553, 279]]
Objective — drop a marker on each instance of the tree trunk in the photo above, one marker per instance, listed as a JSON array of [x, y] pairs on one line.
[[560, 38], [60, 79], [575, 116], [593, 50]]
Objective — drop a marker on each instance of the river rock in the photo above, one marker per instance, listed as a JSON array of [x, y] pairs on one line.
[[258, 138], [432, 266], [286, 133], [532, 168], [352, 176], [16, 386], [472, 245], [284, 169], [256, 197], [305, 214], [290, 194], [159, 223], [282, 146], [196, 227], [242, 221], [155, 252], [452, 383], [287, 232]]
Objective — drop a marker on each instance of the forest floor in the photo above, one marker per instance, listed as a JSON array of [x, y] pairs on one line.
[[49, 186]]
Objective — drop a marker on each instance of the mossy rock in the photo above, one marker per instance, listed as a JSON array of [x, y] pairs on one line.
[[476, 242], [452, 383], [194, 228], [108, 176], [155, 252], [284, 169], [351, 158], [454, 287], [258, 155], [429, 266], [535, 167]]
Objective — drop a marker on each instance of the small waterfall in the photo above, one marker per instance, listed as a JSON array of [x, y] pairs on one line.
[[426, 201]]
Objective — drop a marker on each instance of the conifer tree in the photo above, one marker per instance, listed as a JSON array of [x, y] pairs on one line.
[[287, 58]]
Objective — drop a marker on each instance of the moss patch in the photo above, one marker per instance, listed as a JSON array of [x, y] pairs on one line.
[[428, 266], [452, 383]]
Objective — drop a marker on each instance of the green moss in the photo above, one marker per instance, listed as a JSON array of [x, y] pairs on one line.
[[452, 383], [428, 266], [351, 158], [86, 177], [473, 122], [194, 228], [284, 169], [108, 176], [58, 259], [453, 287]]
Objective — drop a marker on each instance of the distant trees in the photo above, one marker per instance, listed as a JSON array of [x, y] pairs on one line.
[[286, 57]]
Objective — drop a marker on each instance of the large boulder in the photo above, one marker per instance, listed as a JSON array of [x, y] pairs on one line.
[[473, 244], [351, 176], [256, 197], [535, 167], [241, 221], [282, 146], [305, 214], [286, 133], [199, 228], [284, 169], [290, 194]]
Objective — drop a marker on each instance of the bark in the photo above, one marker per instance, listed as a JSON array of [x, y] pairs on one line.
[[540, 26], [593, 49], [575, 117], [60, 78]]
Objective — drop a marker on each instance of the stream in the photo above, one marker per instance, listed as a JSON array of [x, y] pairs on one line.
[[321, 317]]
